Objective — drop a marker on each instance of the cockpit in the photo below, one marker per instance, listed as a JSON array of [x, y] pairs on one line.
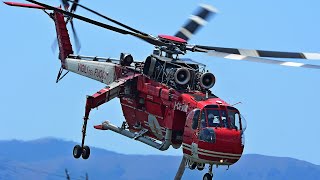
[[212, 117], [226, 117]]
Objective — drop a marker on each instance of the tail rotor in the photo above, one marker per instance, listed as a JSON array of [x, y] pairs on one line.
[[73, 8]]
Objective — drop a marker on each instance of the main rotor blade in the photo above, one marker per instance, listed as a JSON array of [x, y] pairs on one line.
[[262, 53], [196, 21], [260, 60], [109, 19], [148, 39]]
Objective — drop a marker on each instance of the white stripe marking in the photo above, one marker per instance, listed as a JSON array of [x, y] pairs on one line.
[[312, 55], [213, 155], [248, 52], [226, 55], [235, 57], [198, 20], [220, 153], [293, 64], [213, 152], [209, 8], [187, 33]]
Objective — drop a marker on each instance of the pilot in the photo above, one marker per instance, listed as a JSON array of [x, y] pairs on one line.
[[213, 120]]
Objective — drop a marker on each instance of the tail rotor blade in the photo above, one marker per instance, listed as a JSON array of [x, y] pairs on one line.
[[54, 46], [74, 5], [65, 4], [75, 36], [196, 21]]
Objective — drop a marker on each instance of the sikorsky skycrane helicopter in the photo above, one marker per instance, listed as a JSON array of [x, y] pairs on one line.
[[166, 100]]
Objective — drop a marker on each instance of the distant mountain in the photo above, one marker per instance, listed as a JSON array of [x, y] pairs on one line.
[[47, 159]]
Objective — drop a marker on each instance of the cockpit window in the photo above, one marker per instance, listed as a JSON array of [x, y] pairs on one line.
[[213, 118], [234, 118], [193, 116], [207, 135], [219, 117]]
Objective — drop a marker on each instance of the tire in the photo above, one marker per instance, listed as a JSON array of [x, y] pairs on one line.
[[207, 176], [192, 165], [77, 151], [200, 166], [85, 152]]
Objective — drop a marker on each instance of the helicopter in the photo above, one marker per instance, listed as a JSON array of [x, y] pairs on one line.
[[166, 100]]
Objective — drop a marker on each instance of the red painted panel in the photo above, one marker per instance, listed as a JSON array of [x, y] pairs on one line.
[[152, 90], [64, 43], [165, 94], [172, 38], [154, 108]]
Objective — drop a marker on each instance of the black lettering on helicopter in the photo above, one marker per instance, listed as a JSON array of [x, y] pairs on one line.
[[97, 73]]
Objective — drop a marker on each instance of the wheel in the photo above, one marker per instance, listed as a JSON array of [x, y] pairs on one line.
[[85, 152], [192, 165], [176, 146], [207, 176], [77, 151], [200, 166]]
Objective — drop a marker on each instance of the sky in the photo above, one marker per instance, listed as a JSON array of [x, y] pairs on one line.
[[279, 103]]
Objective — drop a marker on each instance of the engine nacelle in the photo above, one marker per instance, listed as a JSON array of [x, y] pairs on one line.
[[182, 76], [207, 80]]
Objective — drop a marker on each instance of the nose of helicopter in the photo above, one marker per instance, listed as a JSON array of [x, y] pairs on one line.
[[222, 146]]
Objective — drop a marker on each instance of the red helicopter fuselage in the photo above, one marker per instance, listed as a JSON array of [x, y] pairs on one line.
[[158, 107], [166, 101]]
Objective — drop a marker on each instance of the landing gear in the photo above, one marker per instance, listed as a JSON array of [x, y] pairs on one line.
[[208, 175], [192, 165], [187, 162], [200, 166], [82, 150], [93, 101], [77, 151], [85, 152]]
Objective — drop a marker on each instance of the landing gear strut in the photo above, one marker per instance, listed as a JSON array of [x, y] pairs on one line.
[[209, 175], [82, 150], [97, 99]]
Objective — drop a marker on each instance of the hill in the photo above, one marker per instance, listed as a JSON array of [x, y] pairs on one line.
[[47, 159]]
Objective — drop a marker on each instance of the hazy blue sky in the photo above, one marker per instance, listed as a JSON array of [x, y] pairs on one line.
[[279, 103]]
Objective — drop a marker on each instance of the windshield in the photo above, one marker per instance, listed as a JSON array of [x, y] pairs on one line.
[[228, 117]]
